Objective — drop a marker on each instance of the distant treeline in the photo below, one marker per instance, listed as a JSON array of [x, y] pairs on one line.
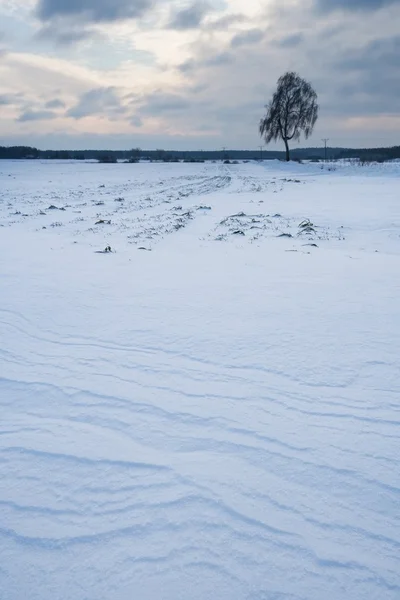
[[372, 154], [26, 152]]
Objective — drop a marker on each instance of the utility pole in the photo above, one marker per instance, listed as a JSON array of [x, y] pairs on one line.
[[325, 140], [224, 151], [261, 149]]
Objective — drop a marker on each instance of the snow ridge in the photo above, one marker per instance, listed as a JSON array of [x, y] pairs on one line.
[[211, 419]]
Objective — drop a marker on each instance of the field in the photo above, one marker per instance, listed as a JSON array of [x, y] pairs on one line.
[[199, 381]]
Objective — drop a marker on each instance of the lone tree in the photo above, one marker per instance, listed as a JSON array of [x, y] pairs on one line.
[[293, 110]]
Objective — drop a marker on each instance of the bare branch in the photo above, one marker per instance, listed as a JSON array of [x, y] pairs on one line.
[[293, 110]]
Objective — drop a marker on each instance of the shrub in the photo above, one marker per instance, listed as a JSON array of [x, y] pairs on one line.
[[106, 159]]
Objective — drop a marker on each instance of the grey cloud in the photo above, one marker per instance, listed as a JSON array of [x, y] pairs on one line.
[[197, 89], [39, 115], [11, 99], [354, 5], [360, 81], [92, 11], [3, 49], [190, 17], [161, 103], [374, 76], [65, 34], [243, 110], [223, 58], [350, 81], [329, 31], [97, 101], [379, 53], [188, 66], [56, 103], [291, 41], [216, 60], [6, 99], [137, 121], [245, 38], [225, 22]]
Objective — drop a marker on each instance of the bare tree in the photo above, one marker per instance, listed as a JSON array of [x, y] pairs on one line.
[[293, 110]]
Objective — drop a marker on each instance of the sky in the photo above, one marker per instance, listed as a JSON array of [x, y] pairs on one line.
[[180, 74]]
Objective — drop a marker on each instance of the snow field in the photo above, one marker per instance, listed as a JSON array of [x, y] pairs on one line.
[[217, 416]]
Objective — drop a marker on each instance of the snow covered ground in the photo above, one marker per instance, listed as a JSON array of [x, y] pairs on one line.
[[211, 410]]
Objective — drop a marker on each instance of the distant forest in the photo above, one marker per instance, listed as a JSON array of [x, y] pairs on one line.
[[369, 154]]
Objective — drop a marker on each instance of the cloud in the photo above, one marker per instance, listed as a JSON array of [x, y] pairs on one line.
[[136, 121], [66, 34], [99, 101], [215, 60], [215, 66], [291, 41], [371, 78], [245, 38], [190, 17], [70, 21], [376, 54], [159, 103], [354, 5], [188, 66], [39, 115], [223, 58], [56, 103], [34, 79], [225, 22], [92, 11], [12, 99], [6, 99], [3, 50]]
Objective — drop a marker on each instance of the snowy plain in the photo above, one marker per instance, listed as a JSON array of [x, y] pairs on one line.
[[211, 410]]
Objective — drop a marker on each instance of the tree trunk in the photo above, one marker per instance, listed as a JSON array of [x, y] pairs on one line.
[[287, 150]]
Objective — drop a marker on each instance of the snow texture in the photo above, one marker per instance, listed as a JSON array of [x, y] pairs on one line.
[[199, 381]]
